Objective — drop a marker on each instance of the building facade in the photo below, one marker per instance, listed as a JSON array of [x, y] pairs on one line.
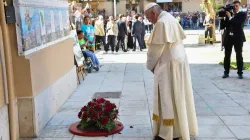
[[124, 5], [176, 5]]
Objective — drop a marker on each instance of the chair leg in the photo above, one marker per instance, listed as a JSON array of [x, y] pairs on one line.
[[77, 72], [82, 73]]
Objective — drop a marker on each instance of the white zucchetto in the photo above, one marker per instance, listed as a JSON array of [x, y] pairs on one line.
[[149, 5]]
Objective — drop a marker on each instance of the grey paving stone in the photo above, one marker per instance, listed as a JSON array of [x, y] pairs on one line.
[[209, 120], [92, 138], [133, 78], [133, 97], [204, 112], [48, 132], [197, 97], [230, 111], [236, 120], [243, 102], [138, 131], [74, 105], [213, 139], [105, 67], [200, 84], [135, 120], [133, 86], [133, 104], [135, 138], [239, 95], [110, 87], [45, 139], [62, 132], [133, 73], [118, 67], [208, 90], [221, 103], [211, 131], [219, 96], [127, 111], [241, 132], [200, 104]]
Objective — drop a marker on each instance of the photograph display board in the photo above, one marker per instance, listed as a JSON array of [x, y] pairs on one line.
[[40, 23]]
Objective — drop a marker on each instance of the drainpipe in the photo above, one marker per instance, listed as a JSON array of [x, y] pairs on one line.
[[3, 68], [115, 9], [10, 74]]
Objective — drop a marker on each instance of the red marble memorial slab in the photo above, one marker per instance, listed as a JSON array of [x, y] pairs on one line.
[[73, 129]]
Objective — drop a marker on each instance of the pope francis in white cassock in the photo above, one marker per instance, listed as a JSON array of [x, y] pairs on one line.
[[173, 111]]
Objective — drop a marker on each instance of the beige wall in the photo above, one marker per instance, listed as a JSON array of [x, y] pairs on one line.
[[35, 72], [22, 77], [191, 6], [49, 64], [121, 7], [107, 5]]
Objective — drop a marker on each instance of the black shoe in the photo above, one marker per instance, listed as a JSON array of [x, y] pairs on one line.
[[124, 50], [225, 76], [133, 50], [158, 138], [222, 48], [240, 76], [140, 49]]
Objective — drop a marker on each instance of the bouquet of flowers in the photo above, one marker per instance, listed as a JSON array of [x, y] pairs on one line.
[[98, 114]]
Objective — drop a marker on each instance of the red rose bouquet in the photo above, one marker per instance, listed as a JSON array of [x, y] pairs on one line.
[[98, 114]]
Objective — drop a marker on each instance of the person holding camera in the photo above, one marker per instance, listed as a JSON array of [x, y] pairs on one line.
[[234, 36]]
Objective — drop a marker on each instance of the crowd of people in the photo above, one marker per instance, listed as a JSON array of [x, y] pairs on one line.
[[127, 32], [192, 20]]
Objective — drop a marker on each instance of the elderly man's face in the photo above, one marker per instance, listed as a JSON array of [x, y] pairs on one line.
[[151, 16]]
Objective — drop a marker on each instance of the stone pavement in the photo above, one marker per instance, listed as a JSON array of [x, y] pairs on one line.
[[222, 105]]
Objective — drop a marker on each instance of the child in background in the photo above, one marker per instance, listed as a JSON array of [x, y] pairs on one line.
[[84, 46], [89, 33]]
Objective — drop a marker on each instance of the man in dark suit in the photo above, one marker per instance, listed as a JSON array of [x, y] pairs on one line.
[[137, 31], [122, 32], [234, 36], [143, 33]]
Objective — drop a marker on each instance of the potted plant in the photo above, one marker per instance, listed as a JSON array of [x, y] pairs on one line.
[[98, 114]]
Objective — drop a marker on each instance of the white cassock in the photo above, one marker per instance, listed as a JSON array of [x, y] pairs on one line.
[[173, 111]]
